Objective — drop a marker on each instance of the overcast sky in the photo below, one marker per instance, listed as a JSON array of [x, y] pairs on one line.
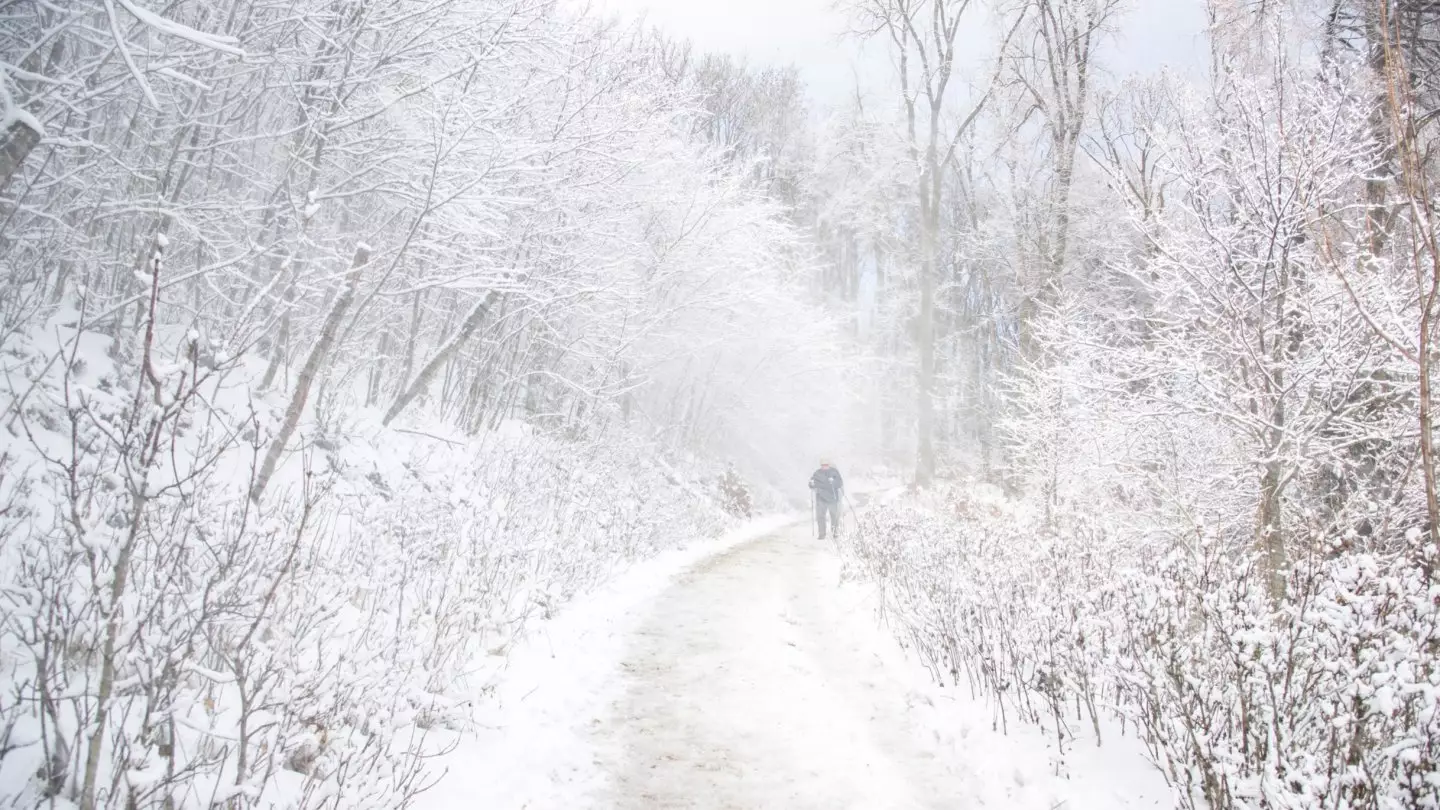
[[810, 34]]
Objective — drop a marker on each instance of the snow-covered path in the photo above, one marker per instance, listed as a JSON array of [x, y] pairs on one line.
[[742, 674], [749, 687]]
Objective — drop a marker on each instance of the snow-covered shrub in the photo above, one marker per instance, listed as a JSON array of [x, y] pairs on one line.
[[1328, 699], [735, 493], [166, 641], [1224, 526]]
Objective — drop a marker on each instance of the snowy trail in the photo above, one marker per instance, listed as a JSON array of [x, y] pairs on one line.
[[754, 683], [741, 675]]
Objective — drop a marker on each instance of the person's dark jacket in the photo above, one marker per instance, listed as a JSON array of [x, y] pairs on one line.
[[827, 484]]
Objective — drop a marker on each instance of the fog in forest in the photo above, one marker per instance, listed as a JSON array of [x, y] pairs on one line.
[[344, 342]]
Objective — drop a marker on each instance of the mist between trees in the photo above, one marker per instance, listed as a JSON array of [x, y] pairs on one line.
[[340, 337]]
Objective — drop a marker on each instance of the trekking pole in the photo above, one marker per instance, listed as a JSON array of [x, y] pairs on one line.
[[813, 516]]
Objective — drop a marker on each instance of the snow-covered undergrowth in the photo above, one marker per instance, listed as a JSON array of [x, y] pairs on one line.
[[1325, 699], [167, 642]]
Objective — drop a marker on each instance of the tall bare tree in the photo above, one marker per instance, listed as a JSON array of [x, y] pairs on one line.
[[1053, 66], [922, 37]]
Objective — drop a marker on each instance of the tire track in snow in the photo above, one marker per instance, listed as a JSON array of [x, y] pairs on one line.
[[751, 685]]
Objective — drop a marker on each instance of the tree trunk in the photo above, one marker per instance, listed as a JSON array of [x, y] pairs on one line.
[[377, 372], [20, 139], [409, 363], [308, 372], [1427, 423], [925, 329], [467, 328], [1272, 538]]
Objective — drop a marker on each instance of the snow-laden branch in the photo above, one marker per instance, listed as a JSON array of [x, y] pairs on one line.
[[215, 42]]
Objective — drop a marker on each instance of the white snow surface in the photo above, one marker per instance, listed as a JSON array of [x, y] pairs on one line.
[[743, 673]]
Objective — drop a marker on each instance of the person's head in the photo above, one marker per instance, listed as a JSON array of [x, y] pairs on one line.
[[824, 462]]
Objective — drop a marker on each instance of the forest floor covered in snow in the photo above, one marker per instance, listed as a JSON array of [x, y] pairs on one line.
[[748, 673], [301, 651]]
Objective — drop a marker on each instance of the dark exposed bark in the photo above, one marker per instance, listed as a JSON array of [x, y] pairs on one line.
[[20, 140]]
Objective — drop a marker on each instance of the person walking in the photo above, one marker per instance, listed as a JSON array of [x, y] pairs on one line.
[[828, 487]]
